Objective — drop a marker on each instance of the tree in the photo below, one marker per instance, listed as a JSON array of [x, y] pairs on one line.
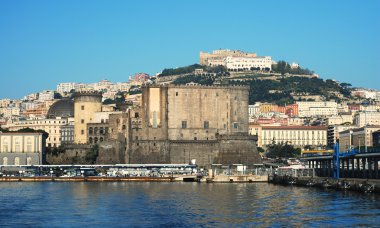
[[282, 150], [108, 101], [44, 133], [260, 150]]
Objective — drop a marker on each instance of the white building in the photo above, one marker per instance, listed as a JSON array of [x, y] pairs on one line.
[[298, 136], [364, 118], [18, 148], [314, 108], [65, 87], [31, 97], [246, 63], [340, 119], [46, 95], [253, 110], [4, 103]]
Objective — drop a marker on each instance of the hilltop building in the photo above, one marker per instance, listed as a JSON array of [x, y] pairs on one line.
[[235, 60]]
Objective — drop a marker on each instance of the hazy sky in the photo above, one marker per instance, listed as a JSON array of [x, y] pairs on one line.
[[43, 43]]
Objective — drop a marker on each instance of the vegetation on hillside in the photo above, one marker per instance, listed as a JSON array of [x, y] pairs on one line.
[[284, 67], [190, 69], [280, 91], [203, 80]]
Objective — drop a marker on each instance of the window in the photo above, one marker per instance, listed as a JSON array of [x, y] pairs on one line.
[[205, 124], [184, 124], [82, 107], [82, 132], [82, 121], [90, 130], [136, 115], [235, 125], [176, 94]]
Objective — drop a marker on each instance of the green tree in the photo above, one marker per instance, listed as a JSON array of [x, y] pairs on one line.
[[282, 150], [44, 133]]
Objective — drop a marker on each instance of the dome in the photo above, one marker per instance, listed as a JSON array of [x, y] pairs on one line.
[[61, 108]]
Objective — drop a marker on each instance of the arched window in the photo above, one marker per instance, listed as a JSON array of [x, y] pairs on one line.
[[5, 161], [17, 161], [101, 139], [28, 161], [101, 130], [90, 140], [96, 140], [90, 130], [95, 130]]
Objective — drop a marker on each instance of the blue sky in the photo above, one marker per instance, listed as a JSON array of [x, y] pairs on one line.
[[43, 43]]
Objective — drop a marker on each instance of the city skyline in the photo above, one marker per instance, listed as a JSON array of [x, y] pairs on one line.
[[45, 43]]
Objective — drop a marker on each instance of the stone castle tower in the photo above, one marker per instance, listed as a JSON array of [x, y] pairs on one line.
[[85, 105]]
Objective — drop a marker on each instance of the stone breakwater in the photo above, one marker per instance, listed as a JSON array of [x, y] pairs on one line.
[[353, 184]]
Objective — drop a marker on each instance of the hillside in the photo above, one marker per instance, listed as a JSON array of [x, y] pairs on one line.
[[278, 89]]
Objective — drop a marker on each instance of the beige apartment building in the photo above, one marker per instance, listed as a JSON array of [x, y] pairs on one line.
[[313, 108], [363, 118], [357, 137], [52, 126]]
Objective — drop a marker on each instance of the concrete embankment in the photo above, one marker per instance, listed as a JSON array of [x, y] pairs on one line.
[[362, 185], [184, 178], [87, 179]]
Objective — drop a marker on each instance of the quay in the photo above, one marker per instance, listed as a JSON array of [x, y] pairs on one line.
[[87, 179], [349, 170]]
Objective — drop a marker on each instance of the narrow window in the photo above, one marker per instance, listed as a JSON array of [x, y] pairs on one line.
[[205, 125], [82, 107], [184, 124]]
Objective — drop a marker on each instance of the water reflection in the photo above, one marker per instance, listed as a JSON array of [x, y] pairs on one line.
[[182, 205]]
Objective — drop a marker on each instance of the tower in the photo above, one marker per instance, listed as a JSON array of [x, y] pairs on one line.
[[86, 103]]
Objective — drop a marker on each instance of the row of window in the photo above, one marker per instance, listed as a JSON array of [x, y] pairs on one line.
[[95, 140], [101, 130], [17, 161]]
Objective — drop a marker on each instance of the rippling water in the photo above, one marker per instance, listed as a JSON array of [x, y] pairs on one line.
[[182, 205]]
